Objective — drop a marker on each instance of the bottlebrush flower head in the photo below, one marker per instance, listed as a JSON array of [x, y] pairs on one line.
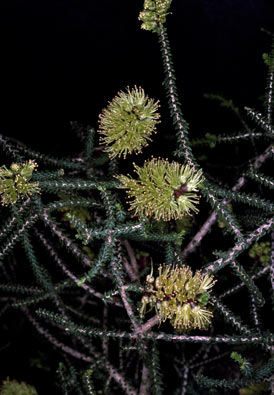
[[13, 387], [14, 182], [179, 296], [163, 190], [154, 13], [128, 122]]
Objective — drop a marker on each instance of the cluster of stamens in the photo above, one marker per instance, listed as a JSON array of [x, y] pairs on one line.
[[15, 182], [163, 190], [179, 296]]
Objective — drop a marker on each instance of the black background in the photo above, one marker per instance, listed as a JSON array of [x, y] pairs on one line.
[[64, 60]]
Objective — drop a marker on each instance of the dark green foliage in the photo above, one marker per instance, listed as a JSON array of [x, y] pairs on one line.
[[257, 376], [180, 125], [262, 179], [212, 140], [155, 372], [245, 366], [75, 264]]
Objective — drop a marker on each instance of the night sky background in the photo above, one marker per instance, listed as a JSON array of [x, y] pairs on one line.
[[64, 60]]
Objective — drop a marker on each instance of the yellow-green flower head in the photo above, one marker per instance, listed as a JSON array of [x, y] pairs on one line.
[[154, 14], [128, 122], [13, 387], [14, 182], [179, 296], [163, 190]]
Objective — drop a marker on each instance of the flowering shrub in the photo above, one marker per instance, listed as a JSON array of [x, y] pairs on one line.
[[74, 259]]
